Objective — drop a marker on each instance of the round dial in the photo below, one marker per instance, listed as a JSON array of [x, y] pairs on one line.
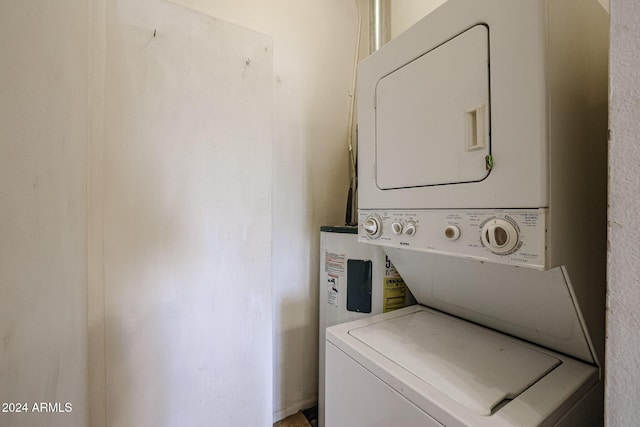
[[410, 228], [452, 232], [397, 228], [499, 236], [372, 226]]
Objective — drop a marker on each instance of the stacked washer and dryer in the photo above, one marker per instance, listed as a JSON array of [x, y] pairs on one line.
[[482, 175]]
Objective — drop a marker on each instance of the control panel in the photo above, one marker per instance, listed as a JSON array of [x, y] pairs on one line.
[[509, 236]]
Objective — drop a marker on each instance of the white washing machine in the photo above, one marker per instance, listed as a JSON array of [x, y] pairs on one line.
[[482, 174], [419, 366]]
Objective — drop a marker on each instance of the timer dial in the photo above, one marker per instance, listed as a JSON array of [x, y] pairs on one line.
[[499, 236], [372, 226]]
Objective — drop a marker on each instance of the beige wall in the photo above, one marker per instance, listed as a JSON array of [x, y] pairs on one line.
[[313, 48], [43, 215], [180, 243], [405, 13]]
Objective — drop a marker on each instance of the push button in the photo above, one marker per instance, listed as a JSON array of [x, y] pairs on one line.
[[396, 227], [452, 232]]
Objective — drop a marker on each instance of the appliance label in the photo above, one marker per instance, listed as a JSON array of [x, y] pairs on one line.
[[332, 289], [395, 294], [334, 266], [394, 289]]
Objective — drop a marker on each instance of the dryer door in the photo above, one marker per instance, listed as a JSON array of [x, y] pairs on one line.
[[433, 116]]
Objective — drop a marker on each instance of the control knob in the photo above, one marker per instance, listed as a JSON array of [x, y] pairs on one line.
[[410, 228], [452, 232], [396, 227], [499, 236], [372, 226]]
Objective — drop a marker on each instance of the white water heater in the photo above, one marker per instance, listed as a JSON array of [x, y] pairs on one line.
[[356, 281]]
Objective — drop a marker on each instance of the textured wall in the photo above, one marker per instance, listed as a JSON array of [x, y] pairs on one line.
[[623, 320]]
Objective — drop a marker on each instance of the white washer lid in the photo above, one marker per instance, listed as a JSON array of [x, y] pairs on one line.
[[475, 366]]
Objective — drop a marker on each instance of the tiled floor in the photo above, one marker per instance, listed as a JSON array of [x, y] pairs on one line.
[[306, 418], [295, 420]]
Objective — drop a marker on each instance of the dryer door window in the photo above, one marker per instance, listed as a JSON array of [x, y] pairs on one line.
[[433, 116]]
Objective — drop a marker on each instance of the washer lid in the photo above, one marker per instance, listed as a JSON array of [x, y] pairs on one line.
[[475, 366], [536, 306]]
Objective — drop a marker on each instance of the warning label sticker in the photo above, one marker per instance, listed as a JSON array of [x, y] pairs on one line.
[[334, 267], [332, 289], [334, 263], [394, 294]]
